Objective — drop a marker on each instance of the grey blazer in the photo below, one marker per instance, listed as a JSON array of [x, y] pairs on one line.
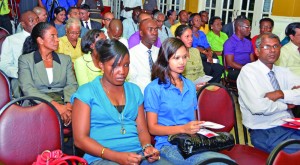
[[33, 79]]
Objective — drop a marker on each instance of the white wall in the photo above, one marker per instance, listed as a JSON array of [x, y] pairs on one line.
[[280, 23]]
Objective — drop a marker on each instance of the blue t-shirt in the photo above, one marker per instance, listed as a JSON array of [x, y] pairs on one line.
[[200, 41], [171, 106], [105, 126]]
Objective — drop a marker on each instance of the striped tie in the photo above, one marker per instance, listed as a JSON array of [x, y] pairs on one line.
[[273, 80], [150, 59]]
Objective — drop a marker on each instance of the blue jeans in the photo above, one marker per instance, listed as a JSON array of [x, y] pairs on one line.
[[268, 139], [162, 161], [172, 154]]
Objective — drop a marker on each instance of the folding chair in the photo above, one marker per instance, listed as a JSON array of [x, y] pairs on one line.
[[5, 88]]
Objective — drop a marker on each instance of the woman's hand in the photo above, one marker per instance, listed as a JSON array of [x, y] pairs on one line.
[[153, 152], [192, 127], [129, 158], [199, 85]]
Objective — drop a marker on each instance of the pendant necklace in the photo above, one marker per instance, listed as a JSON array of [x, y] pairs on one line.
[[121, 112]]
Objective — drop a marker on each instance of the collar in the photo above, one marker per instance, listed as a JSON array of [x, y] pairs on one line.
[[89, 20], [144, 48], [25, 33], [295, 47], [237, 38], [38, 58], [263, 68]]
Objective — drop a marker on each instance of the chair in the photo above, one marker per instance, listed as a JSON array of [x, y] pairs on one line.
[[279, 157], [5, 89], [230, 84], [28, 131], [3, 34], [214, 99]]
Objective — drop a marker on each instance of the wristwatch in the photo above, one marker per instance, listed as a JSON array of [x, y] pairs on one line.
[[146, 145]]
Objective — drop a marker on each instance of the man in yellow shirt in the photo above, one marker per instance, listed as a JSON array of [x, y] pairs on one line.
[[183, 20], [4, 17], [204, 19]]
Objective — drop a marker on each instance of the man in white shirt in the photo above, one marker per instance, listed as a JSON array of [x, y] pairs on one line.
[[266, 95], [163, 31], [130, 24], [115, 31], [128, 6], [12, 48], [143, 55]]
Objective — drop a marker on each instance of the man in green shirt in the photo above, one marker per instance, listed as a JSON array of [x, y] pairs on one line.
[[4, 17]]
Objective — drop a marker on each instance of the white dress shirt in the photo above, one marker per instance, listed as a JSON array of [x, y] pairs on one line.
[[124, 41], [164, 33], [89, 24], [129, 27], [11, 50], [139, 70], [259, 112], [130, 3]]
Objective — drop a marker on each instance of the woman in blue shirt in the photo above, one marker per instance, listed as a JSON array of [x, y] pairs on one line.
[[108, 113], [171, 103]]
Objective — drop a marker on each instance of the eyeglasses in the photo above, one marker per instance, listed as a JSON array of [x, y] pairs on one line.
[[247, 27], [266, 27], [269, 47], [107, 19], [74, 33]]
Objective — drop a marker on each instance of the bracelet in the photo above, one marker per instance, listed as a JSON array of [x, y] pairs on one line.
[[102, 152], [147, 145]]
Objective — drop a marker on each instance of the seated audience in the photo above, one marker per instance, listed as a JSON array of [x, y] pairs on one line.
[[215, 37], [45, 74], [238, 50], [209, 60], [135, 38], [163, 31], [171, 103], [70, 43], [204, 21], [171, 18], [143, 55], [265, 25], [87, 66], [73, 12], [115, 31], [108, 115], [130, 24], [12, 49], [183, 20], [59, 17], [266, 95], [85, 18]]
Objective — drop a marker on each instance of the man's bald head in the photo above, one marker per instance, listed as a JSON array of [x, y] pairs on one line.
[[144, 16], [28, 20], [107, 17], [115, 29], [41, 13]]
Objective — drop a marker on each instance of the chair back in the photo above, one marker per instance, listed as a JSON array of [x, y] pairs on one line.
[[28, 131], [215, 104], [280, 157], [5, 95], [218, 160], [3, 34]]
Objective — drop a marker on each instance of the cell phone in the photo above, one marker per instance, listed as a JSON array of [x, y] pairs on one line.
[[149, 155]]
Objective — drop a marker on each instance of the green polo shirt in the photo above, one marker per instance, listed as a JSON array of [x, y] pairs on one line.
[[216, 42], [4, 7]]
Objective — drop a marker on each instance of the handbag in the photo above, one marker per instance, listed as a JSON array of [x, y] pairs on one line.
[[189, 145], [57, 157]]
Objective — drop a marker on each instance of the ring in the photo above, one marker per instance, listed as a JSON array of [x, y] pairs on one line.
[[158, 157]]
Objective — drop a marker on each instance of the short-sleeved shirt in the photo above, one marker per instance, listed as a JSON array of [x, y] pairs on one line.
[[216, 42], [240, 49], [105, 124], [171, 106], [200, 41]]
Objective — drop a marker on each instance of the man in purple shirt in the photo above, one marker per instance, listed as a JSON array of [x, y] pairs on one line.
[[135, 38], [238, 50]]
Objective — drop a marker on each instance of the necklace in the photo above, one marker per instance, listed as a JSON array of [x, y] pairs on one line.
[[47, 59], [121, 112]]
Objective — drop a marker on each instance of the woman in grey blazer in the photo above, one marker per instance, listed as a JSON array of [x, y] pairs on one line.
[[45, 74]]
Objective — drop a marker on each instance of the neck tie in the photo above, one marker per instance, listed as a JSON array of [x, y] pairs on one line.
[[87, 25], [150, 59], [273, 80]]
